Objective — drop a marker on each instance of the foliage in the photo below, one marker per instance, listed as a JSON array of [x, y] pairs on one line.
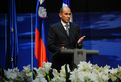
[[85, 72]]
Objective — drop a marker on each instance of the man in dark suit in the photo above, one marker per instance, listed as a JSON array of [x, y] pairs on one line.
[[64, 35]]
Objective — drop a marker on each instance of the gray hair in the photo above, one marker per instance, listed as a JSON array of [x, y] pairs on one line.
[[61, 10]]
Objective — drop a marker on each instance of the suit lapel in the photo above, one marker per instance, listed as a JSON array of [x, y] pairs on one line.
[[61, 28], [71, 30]]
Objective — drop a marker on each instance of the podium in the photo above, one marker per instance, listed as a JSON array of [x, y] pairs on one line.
[[81, 54], [77, 54]]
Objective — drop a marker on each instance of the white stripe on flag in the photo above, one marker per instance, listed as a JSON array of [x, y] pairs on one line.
[[64, 5]]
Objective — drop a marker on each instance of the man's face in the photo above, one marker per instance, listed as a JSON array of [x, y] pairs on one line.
[[65, 15]]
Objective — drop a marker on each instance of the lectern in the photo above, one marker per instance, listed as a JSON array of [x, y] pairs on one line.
[[63, 53], [78, 54], [81, 54]]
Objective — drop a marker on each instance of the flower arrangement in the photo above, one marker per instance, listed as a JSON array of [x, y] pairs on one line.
[[85, 72]]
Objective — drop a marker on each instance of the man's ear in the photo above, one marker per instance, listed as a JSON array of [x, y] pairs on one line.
[[60, 15]]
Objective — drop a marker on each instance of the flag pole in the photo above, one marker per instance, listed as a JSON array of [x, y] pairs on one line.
[[32, 46]]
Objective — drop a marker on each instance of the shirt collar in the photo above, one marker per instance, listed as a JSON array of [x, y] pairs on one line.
[[64, 23]]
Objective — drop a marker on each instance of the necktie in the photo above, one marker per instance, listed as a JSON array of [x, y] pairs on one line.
[[67, 29]]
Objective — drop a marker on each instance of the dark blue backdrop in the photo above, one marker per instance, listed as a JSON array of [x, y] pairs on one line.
[[102, 30]]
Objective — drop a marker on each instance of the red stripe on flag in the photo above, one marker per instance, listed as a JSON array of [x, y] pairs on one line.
[[40, 49]]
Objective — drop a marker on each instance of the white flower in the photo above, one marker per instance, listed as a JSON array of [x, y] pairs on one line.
[[47, 66], [112, 77], [102, 76], [12, 73], [73, 76], [45, 70], [90, 77], [119, 72], [86, 72], [26, 72], [40, 75], [26, 68], [119, 68], [84, 66], [55, 73], [106, 69], [101, 73], [98, 70], [82, 76], [113, 71], [113, 74], [62, 71], [40, 71], [60, 77], [39, 78]]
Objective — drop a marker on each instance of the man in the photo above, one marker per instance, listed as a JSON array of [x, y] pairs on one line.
[[59, 37]]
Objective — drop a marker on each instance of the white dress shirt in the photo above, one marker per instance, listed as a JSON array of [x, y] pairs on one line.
[[64, 24]]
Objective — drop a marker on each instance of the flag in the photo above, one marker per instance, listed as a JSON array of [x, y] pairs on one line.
[[12, 37], [67, 3], [41, 33]]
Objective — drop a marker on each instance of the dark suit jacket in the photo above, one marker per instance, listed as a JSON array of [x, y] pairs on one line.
[[57, 37]]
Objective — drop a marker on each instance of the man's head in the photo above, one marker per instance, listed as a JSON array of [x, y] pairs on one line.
[[65, 14]]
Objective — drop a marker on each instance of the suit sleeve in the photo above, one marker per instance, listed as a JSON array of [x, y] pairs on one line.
[[51, 41], [79, 35]]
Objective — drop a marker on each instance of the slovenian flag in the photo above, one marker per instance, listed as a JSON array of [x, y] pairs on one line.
[[67, 3], [41, 30]]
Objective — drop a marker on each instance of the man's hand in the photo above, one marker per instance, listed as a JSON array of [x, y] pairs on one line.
[[81, 39], [63, 48]]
